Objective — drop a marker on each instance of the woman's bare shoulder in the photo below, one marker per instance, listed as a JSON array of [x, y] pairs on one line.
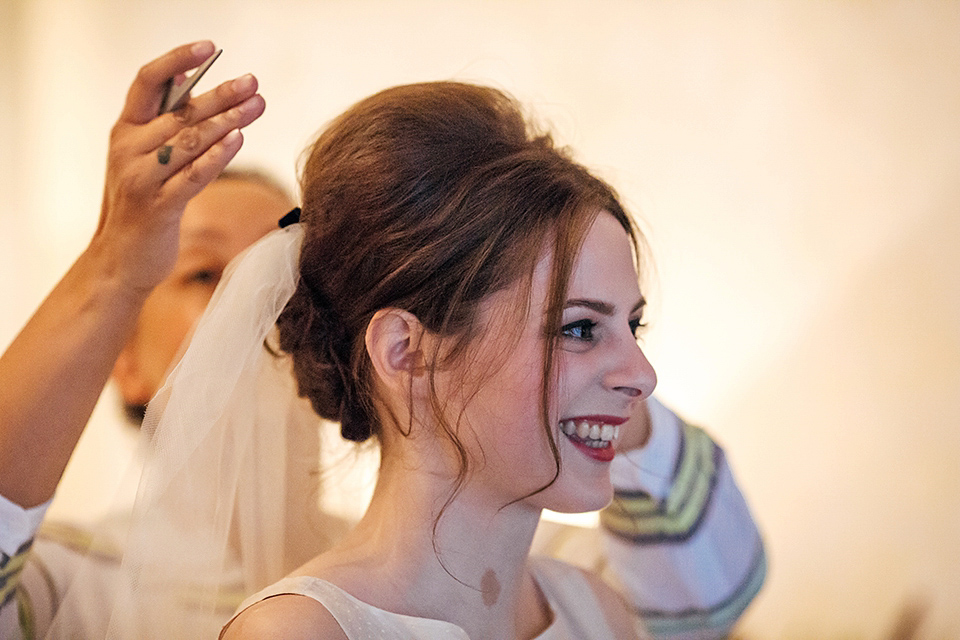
[[617, 612], [288, 616]]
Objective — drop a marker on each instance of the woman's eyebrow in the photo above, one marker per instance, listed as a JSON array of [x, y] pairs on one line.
[[600, 306], [203, 236]]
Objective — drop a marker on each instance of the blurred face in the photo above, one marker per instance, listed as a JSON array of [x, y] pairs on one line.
[[601, 374], [220, 222]]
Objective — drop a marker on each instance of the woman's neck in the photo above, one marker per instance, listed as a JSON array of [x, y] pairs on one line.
[[469, 570]]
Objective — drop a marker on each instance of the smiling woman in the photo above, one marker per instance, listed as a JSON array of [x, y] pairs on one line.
[[459, 290]]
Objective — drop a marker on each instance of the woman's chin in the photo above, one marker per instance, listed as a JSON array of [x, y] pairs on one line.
[[579, 498]]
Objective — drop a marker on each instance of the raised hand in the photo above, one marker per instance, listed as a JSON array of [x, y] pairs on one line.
[[54, 371], [157, 163]]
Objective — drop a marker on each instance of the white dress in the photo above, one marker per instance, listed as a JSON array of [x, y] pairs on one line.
[[576, 612]]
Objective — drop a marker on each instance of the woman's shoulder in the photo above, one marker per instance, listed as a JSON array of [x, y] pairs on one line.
[[291, 616], [566, 585], [306, 607], [619, 614]]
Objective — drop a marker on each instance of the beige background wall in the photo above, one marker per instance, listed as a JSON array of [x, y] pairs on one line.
[[796, 164]]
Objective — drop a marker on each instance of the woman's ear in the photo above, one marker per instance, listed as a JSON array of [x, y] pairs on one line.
[[393, 340]]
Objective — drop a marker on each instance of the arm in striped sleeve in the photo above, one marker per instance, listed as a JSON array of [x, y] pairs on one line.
[[679, 538]]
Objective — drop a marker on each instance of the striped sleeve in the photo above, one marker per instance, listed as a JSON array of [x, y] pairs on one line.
[[679, 537], [637, 516]]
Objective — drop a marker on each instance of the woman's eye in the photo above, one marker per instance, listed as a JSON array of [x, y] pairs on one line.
[[636, 326], [579, 330], [206, 277]]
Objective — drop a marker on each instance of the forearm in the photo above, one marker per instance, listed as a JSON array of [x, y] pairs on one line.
[[680, 540], [54, 371], [693, 579]]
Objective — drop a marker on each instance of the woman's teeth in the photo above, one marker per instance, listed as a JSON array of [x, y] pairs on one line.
[[592, 434]]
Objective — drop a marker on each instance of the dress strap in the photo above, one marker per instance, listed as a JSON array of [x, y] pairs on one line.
[[358, 619]]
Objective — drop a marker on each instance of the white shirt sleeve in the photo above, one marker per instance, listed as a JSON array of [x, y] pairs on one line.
[[17, 529], [18, 525], [679, 538]]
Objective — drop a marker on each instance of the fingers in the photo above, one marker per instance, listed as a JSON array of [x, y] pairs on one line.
[[186, 145], [146, 150], [212, 102], [157, 163], [172, 172], [189, 179], [228, 96], [146, 92]]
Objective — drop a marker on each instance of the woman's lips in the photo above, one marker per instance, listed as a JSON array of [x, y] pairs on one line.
[[603, 453], [593, 435]]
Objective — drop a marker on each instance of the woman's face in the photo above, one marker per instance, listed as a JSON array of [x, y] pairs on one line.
[[600, 375], [218, 223]]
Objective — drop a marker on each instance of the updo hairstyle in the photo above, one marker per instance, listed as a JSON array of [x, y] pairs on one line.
[[427, 198]]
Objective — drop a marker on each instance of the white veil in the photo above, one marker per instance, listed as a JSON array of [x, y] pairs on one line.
[[228, 500]]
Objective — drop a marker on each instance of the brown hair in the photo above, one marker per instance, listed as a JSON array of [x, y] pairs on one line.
[[428, 198]]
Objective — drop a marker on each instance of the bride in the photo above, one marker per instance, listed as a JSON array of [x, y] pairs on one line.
[[466, 295]]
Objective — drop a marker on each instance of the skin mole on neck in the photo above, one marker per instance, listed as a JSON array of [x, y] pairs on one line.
[[490, 588]]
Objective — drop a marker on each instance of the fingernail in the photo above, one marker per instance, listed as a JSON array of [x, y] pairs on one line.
[[246, 106], [232, 138], [244, 83], [204, 48]]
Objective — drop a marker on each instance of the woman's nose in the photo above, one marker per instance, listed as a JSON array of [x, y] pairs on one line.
[[633, 375]]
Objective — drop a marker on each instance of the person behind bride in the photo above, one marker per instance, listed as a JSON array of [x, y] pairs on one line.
[[462, 291]]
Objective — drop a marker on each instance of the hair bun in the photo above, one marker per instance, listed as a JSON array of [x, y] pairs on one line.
[[311, 333], [354, 424]]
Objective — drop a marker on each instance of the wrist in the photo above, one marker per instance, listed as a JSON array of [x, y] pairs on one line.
[[121, 269]]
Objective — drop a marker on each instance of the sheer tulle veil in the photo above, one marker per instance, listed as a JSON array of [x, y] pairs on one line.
[[228, 499]]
